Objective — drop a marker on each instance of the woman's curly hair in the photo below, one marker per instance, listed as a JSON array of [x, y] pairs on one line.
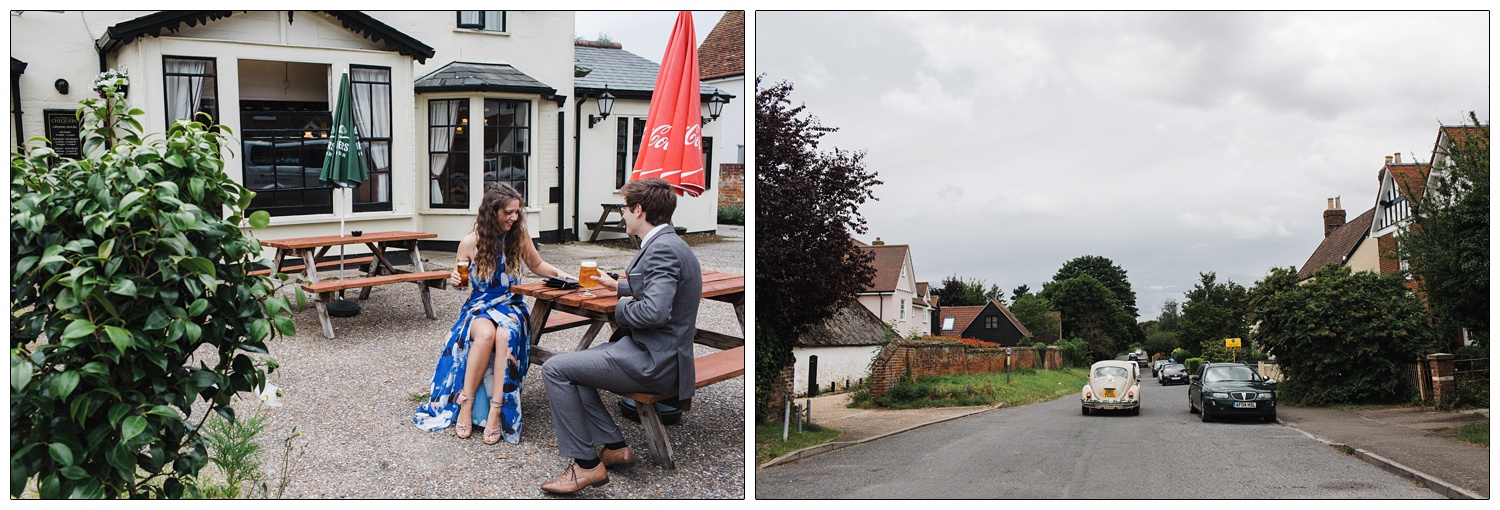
[[490, 237]]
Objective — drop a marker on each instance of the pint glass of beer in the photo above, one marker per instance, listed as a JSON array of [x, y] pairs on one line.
[[587, 269], [463, 273]]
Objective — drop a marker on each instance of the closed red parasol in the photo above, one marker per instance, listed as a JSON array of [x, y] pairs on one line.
[[673, 147]]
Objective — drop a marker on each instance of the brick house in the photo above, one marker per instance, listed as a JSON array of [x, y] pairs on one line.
[[991, 322]]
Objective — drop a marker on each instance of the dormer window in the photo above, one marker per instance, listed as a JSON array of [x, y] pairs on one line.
[[947, 324]]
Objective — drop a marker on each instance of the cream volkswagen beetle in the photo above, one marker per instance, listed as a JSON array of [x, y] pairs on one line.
[[1113, 384]]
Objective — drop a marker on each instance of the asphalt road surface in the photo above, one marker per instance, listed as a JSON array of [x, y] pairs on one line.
[[1051, 450]]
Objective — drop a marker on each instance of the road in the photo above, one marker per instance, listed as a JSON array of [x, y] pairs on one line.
[[1051, 450]]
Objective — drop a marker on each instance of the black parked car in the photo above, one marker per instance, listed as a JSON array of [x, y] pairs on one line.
[[1172, 373], [1231, 389]]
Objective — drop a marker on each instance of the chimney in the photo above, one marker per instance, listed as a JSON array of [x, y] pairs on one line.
[[878, 242], [1333, 218], [1398, 158], [1387, 160]]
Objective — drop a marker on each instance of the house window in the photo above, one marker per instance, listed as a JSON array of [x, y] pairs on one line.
[[708, 157], [992, 322], [507, 143], [489, 21], [448, 153], [372, 116], [902, 310], [284, 146], [191, 89], [627, 141], [947, 324]]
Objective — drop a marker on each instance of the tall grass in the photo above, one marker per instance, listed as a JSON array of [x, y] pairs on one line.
[[1026, 386]]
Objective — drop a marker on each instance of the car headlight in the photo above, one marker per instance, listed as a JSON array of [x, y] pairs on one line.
[[1219, 394], [1266, 396]]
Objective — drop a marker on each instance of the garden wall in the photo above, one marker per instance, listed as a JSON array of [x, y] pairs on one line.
[[917, 358]]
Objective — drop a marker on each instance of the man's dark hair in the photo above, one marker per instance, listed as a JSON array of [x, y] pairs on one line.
[[655, 196]]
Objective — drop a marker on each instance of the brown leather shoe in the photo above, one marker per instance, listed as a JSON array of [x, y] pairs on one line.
[[621, 458], [575, 479]]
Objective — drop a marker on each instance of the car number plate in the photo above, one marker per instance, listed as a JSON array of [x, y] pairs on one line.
[[1109, 393], [1244, 405]]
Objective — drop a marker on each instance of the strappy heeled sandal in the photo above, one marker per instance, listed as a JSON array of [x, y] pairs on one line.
[[464, 428], [493, 432]]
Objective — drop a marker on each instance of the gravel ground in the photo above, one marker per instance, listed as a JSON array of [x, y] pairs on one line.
[[352, 398]]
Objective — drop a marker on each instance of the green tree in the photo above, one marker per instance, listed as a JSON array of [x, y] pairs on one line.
[[1116, 280], [1215, 311], [1162, 342], [1034, 313], [807, 263], [131, 302], [1447, 242], [1341, 336], [1169, 317], [959, 291], [1089, 311], [1022, 290]]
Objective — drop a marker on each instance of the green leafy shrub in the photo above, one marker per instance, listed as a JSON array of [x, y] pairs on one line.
[[1341, 336], [1075, 352], [1181, 354], [731, 215], [1192, 364], [135, 300]]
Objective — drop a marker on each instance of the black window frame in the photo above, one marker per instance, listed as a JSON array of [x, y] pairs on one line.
[[482, 21], [364, 195], [456, 175], [212, 77], [627, 144], [488, 142], [279, 138]]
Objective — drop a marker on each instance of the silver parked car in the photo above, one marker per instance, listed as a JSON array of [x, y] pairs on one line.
[[1113, 384]]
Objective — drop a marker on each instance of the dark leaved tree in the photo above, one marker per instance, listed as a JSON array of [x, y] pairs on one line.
[[1115, 279], [1090, 312], [807, 209], [959, 291], [1448, 241]]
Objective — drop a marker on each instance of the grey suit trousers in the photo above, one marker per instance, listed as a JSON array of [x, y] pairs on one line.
[[579, 416]]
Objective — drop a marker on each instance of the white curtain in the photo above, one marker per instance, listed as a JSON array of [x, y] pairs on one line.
[[372, 118], [442, 120], [184, 93]]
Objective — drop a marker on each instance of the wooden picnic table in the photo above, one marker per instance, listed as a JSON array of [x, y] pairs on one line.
[[599, 310], [378, 268], [557, 309]]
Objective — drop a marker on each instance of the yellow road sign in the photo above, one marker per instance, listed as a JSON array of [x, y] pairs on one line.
[[1232, 343]]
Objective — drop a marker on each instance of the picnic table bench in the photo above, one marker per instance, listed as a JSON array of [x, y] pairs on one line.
[[598, 311], [618, 226], [376, 266]]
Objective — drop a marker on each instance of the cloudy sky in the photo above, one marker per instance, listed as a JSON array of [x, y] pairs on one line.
[[1171, 143], [643, 33]]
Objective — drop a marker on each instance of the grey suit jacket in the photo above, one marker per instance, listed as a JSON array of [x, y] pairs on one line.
[[664, 284]]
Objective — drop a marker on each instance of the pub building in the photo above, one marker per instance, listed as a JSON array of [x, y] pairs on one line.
[[446, 102]]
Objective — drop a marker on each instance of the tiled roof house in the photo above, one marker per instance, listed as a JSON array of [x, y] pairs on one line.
[[892, 293], [990, 322]]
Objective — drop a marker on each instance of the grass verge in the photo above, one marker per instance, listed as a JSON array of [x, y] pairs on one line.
[[1477, 433], [1026, 386], [768, 443]]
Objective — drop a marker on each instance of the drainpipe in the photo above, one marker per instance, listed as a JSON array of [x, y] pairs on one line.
[[577, 159], [561, 165]]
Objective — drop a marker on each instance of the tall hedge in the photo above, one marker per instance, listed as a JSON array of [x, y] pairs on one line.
[[1341, 336], [131, 300]]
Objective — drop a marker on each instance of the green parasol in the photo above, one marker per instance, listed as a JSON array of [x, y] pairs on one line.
[[344, 164]]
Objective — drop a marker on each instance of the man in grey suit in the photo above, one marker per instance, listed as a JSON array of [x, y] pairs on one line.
[[651, 352]]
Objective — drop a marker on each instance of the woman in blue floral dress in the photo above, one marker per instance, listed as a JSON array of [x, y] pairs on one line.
[[493, 316]]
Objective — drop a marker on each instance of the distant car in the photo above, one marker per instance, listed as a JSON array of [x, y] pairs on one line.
[[1156, 365], [1231, 389], [1172, 373], [1113, 384]]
